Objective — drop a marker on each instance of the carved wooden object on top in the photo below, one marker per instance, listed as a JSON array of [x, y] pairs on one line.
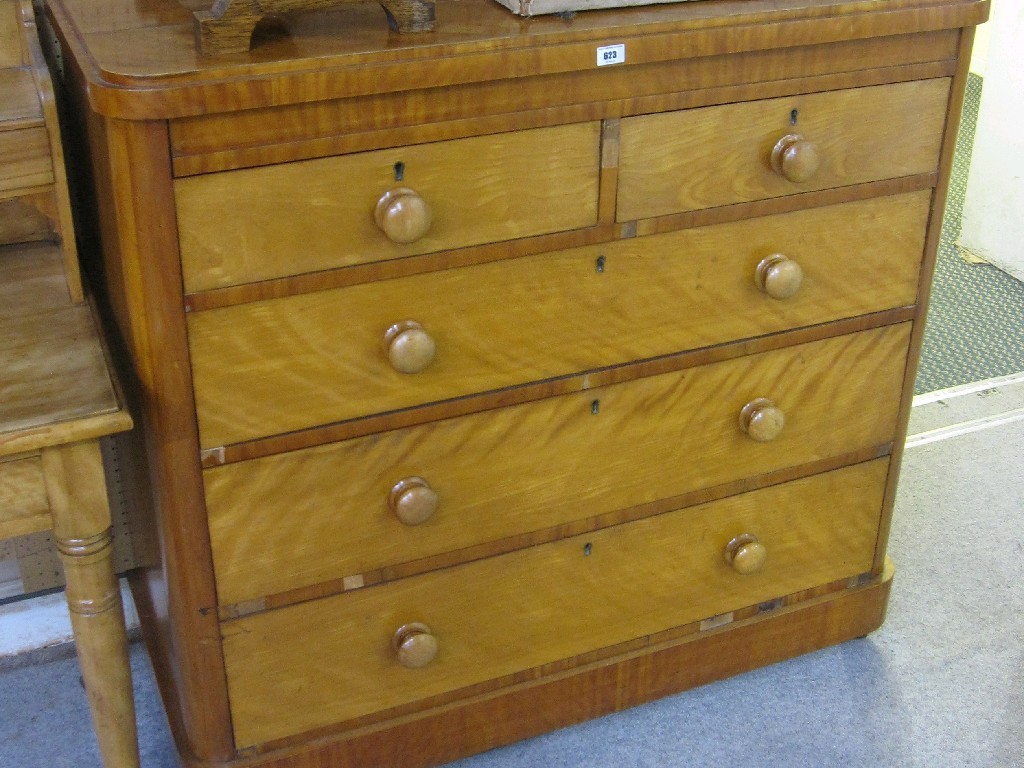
[[228, 26]]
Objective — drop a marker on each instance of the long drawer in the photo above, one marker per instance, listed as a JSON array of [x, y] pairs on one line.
[[286, 364], [292, 520], [701, 158], [328, 661], [262, 223]]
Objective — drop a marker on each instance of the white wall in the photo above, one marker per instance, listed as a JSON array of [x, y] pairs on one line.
[[993, 223]]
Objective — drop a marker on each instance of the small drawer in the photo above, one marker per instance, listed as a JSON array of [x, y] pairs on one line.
[[249, 225], [25, 159], [713, 156], [329, 661], [24, 506], [286, 364], [293, 520]]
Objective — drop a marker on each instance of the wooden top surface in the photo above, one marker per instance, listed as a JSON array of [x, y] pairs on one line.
[[55, 386], [141, 61], [19, 100]]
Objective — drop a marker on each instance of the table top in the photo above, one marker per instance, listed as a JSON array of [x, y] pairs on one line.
[[141, 62], [56, 386]]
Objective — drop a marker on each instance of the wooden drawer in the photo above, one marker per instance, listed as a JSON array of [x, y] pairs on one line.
[[24, 506], [702, 158], [328, 661], [293, 520], [24, 159], [287, 364], [248, 225]]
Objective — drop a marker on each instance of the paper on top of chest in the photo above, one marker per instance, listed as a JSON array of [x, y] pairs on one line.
[[541, 7]]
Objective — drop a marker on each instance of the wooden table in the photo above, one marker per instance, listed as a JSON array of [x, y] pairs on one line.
[[56, 401], [58, 395], [514, 373]]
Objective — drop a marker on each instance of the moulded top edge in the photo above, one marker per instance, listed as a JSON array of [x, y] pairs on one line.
[[140, 58]]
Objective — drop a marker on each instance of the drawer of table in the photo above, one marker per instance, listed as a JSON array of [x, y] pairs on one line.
[[289, 521], [713, 156], [25, 159], [262, 223], [286, 364], [330, 661], [24, 505]]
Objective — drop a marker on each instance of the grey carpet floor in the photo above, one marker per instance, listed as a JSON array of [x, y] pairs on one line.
[[975, 327], [940, 684]]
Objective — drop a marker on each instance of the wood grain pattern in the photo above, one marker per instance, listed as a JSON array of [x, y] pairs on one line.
[[42, 353], [533, 607], [219, 141], [140, 255], [472, 45], [23, 220], [270, 533], [24, 159], [11, 50], [288, 219], [227, 27], [508, 323], [580, 382], [659, 669], [667, 164], [23, 504], [58, 206], [31, 279], [77, 496], [19, 105], [603, 233], [338, 84]]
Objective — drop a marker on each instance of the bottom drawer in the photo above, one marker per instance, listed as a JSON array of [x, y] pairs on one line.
[[314, 664]]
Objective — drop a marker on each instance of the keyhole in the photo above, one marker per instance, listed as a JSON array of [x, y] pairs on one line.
[[587, 549], [599, 264], [793, 116], [399, 171], [595, 407]]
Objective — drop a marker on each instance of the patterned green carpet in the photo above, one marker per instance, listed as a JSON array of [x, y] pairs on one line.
[[975, 326]]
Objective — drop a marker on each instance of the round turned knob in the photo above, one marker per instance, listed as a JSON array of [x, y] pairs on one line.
[[762, 420], [403, 215], [412, 500], [415, 645], [795, 158], [778, 276], [410, 349], [746, 554]]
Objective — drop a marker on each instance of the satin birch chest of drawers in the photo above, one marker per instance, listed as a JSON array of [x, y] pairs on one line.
[[506, 375]]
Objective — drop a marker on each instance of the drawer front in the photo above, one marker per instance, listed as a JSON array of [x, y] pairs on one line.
[[24, 506], [702, 158], [249, 225], [25, 159], [286, 364], [327, 661], [293, 520]]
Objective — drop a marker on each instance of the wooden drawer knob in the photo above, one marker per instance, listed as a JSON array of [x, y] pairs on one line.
[[778, 276], [412, 500], [415, 645], [762, 420], [795, 158], [403, 215], [746, 554], [410, 349]]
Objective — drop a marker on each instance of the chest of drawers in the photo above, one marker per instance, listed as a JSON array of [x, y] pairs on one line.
[[485, 389]]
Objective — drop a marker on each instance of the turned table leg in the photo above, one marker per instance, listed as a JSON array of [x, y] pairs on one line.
[[81, 523]]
